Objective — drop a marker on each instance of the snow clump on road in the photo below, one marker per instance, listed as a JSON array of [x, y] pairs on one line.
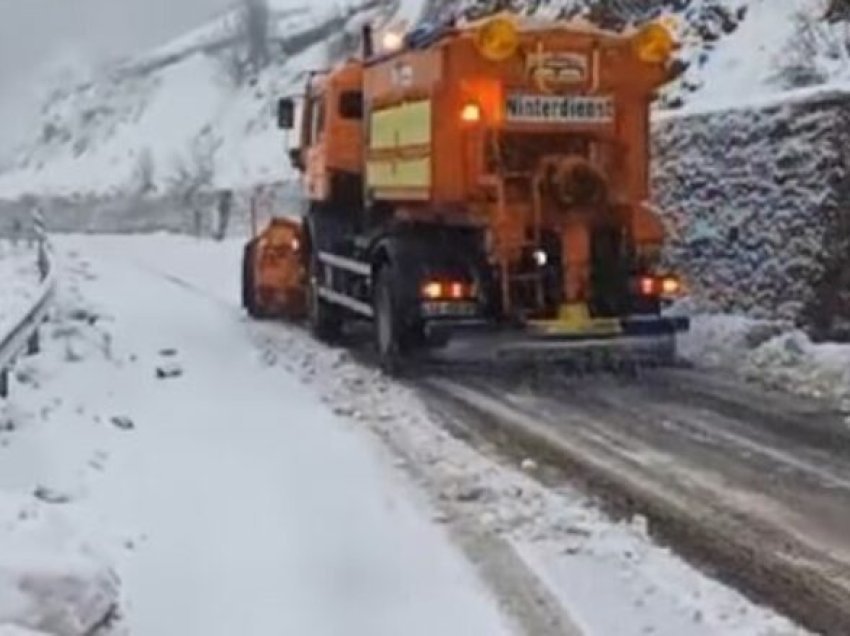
[[51, 580]]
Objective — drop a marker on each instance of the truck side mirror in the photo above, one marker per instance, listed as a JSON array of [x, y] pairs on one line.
[[285, 113], [295, 158]]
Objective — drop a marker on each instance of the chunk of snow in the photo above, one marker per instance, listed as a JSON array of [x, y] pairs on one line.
[[51, 579]]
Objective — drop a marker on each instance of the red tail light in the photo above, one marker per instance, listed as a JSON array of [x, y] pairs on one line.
[[647, 286], [666, 286], [447, 290]]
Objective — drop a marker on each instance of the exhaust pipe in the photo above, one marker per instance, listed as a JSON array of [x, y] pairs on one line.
[[368, 42]]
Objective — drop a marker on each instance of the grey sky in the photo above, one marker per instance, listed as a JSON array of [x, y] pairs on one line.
[[36, 33]]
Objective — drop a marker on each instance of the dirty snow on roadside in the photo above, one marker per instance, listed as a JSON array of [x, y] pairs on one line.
[[609, 576], [18, 282], [773, 354], [228, 499]]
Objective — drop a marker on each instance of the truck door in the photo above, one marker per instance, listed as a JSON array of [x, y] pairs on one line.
[[315, 149]]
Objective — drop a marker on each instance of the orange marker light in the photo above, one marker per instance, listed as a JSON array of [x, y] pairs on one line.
[[471, 113], [670, 286], [432, 290]]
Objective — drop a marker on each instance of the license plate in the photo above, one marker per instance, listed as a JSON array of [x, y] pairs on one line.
[[435, 309], [559, 109]]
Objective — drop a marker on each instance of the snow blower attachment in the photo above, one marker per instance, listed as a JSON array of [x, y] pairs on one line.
[[487, 180]]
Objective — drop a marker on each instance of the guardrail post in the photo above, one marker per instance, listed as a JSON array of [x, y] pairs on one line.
[[25, 337], [34, 343], [40, 232]]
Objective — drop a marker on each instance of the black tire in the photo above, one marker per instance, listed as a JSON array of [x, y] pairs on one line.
[[325, 320], [389, 337], [249, 302]]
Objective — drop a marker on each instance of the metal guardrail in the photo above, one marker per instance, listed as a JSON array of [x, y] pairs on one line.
[[23, 338]]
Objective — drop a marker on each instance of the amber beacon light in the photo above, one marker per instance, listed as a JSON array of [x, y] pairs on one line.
[[654, 43], [497, 39]]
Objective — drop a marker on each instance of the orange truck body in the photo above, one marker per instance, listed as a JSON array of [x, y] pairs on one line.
[[536, 136], [468, 178]]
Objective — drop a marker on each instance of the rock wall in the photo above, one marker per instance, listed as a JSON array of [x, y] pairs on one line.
[[757, 202]]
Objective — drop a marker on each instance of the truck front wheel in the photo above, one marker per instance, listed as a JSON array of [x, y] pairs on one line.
[[249, 292]]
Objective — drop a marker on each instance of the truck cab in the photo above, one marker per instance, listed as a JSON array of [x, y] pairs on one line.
[[329, 150]]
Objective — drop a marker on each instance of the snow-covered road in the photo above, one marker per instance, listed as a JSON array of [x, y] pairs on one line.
[[231, 498], [242, 479]]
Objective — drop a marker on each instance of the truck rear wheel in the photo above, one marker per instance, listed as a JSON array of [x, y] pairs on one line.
[[387, 322]]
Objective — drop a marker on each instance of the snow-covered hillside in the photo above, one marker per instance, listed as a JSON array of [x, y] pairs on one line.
[[183, 116], [177, 119], [771, 47]]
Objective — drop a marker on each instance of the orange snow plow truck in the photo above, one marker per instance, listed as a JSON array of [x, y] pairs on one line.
[[487, 181]]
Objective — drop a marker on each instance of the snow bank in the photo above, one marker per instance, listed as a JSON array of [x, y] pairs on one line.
[[772, 354], [51, 580], [754, 204]]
